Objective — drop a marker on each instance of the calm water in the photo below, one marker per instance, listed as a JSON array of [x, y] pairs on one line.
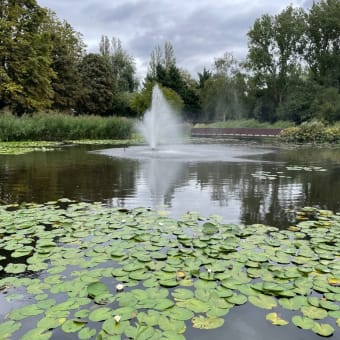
[[224, 179], [244, 183]]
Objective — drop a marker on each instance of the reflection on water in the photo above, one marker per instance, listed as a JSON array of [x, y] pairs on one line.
[[225, 187]]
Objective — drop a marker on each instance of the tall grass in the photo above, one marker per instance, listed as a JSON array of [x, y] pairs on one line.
[[246, 123], [58, 127]]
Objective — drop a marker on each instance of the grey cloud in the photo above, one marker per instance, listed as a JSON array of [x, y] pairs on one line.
[[200, 30]]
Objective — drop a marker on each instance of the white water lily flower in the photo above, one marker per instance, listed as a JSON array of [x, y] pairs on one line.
[[117, 318], [119, 287]]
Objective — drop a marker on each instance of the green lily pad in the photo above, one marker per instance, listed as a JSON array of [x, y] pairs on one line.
[[86, 333], [303, 322], [323, 329], [276, 320], [262, 301], [7, 328], [71, 326], [100, 314], [15, 268], [202, 322], [97, 288], [313, 312]]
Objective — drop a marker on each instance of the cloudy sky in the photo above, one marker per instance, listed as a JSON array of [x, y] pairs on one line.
[[199, 30]]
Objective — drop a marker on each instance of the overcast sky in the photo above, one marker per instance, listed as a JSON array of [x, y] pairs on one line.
[[199, 30]]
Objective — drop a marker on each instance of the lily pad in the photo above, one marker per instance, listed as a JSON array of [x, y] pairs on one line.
[[202, 322], [276, 320]]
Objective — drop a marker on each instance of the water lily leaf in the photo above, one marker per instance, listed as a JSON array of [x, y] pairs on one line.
[[50, 323], [206, 323], [112, 327], [15, 268], [71, 326], [182, 294], [294, 303], [97, 288], [237, 299], [313, 312], [329, 305], [179, 313], [162, 304], [262, 301], [37, 333], [100, 314], [195, 305], [169, 283], [86, 333], [25, 312], [7, 328], [276, 320], [209, 228], [303, 322], [323, 329]]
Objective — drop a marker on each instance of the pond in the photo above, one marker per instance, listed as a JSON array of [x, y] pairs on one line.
[[77, 258], [258, 188]]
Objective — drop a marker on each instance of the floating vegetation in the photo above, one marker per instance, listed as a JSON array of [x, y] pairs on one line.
[[100, 272], [305, 168], [19, 148]]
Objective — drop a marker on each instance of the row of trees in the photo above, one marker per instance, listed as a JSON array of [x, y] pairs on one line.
[[291, 72]]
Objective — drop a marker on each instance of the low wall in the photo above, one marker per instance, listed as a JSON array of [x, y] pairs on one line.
[[220, 132]]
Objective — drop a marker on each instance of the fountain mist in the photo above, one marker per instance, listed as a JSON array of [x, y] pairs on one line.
[[161, 123]]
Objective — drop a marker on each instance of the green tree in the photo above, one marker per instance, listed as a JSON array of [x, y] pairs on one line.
[[141, 101], [97, 85], [67, 53], [276, 44], [123, 72], [323, 49], [223, 93], [25, 57], [164, 71]]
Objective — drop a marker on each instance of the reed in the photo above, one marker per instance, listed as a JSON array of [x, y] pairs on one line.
[[58, 127]]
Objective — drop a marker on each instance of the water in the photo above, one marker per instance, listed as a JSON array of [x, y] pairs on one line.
[[225, 186], [160, 123]]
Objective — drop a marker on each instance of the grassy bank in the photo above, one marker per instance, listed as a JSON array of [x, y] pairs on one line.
[[245, 123], [58, 127]]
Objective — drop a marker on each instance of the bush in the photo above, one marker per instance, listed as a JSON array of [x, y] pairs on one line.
[[311, 132]]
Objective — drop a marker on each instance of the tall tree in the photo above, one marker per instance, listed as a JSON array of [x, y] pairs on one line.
[[275, 50], [25, 57], [67, 53], [97, 85], [323, 50], [222, 95], [164, 71]]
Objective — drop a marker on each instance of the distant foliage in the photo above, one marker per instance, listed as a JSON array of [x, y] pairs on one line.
[[58, 127], [312, 132]]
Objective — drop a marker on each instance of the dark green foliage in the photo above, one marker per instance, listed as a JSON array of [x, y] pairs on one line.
[[97, 85], [58, 127], [67, 53], [323, 34], [25, 57]]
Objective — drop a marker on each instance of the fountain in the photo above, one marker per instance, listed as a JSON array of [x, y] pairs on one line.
[[160, 124]]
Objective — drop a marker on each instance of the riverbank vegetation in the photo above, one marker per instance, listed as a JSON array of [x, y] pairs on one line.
[[291, 71], [61, 127]]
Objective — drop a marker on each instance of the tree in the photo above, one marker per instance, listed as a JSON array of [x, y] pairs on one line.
[[97, 84], [222, 95], [323, 49], [122, 64], [163, 70], [141, 101], [25, 57], [67, 53], [276, 45]]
